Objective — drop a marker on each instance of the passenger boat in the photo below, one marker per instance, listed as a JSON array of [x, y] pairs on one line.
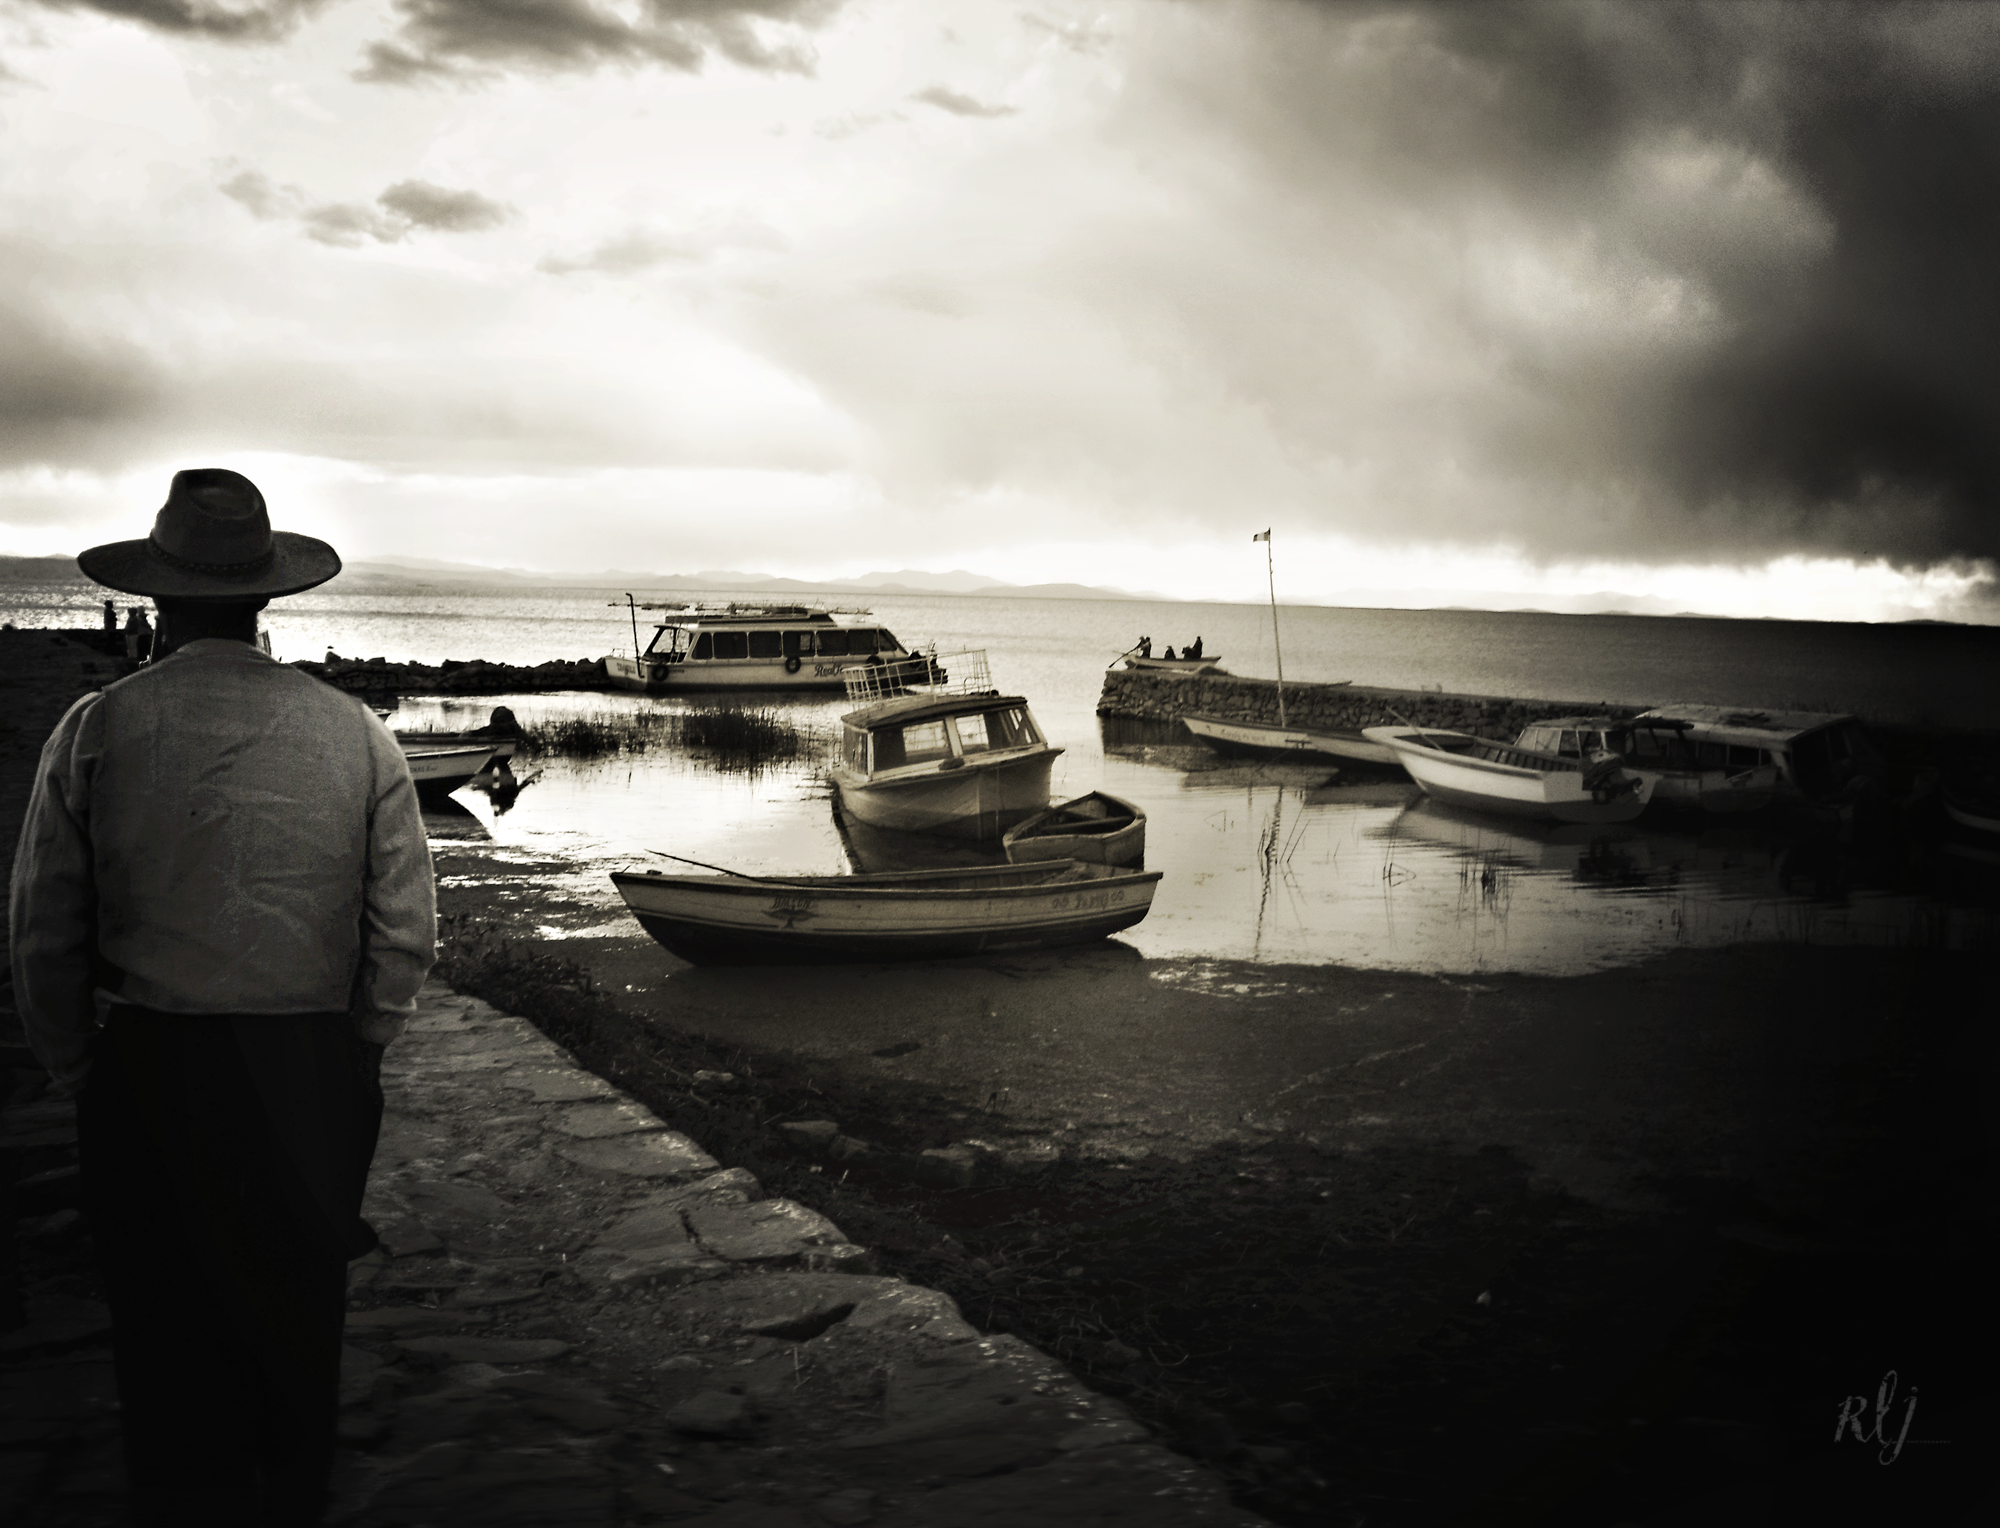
[[1230, 735], [1818, 756], [1689, 777], [749, 647], [1503, 777], [728, 920], [951, 756], [1099, 828]]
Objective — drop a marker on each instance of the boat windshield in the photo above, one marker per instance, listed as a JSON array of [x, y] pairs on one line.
[[1011, 728], [917, 743]]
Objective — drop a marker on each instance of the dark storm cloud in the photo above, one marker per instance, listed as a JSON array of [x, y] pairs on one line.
[[443, 38], [1848, 401], [393, 216], [253, 22]]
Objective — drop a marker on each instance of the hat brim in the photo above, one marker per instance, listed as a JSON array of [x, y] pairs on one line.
[[297, 563]]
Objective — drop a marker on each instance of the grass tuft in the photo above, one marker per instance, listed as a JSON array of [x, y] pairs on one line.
[[734, 737]]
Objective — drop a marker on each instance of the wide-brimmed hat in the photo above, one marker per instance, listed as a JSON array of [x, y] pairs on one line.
[[212, 540]]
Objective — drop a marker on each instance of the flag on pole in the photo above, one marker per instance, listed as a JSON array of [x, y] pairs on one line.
[[1261, 536]]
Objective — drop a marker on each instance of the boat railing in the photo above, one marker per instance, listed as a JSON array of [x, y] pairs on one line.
[[927, 672]]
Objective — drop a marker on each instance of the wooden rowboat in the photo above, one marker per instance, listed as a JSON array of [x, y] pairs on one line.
[[1099, 828], [440, 771], [1262, 740], [727, 920]]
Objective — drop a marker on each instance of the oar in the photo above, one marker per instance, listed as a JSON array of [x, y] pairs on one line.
[[723, 869], [1416, 729]]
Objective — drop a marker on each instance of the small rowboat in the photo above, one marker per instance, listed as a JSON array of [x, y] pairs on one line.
[[1204, 665], [1099, 828], [728, 920], [440, 771], [1262, 740]]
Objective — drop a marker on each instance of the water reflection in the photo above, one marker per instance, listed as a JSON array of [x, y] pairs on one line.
[[1276, 863]]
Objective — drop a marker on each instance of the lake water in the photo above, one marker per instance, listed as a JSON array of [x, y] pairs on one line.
[[1271, 864]]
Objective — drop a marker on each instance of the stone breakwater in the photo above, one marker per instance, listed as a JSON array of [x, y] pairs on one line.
[[372, 676], [1152, 696]]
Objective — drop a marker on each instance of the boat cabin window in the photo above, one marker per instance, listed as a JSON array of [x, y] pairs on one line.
[[917, 743], [704, 646], [854, 749], [1010, 728], [765, 644], [832, 644], [798, 644], [732, 644], [1712, 755], [885, 642]]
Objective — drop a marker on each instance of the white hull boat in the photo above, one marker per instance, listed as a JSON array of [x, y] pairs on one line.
[[1099, 828], [440, 771], [1714, 780], [1501, 777], [742, 647], [730, 920], [1267, 740]]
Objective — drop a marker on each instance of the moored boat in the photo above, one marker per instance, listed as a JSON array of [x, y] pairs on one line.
[[953, 756], [1175, 665], [1503, 777], [1686, 778], [1099, 828], [902, 915], [1818, 756], [749, 647], [1230, 735], [440, 771]]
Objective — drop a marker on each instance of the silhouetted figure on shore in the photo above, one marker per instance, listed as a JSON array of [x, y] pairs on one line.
[[138, 634]]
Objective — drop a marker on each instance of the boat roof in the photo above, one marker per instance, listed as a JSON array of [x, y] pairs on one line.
[[1583, 723], [1746, 722], [902, 709], [739, 614]]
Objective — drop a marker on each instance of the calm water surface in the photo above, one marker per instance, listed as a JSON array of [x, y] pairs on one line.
[[1275, 863]]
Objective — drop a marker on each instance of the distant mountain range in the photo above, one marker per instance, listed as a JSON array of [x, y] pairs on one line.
[[906, 581]]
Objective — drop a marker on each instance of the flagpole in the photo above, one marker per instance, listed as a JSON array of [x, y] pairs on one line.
[[1271, 573]]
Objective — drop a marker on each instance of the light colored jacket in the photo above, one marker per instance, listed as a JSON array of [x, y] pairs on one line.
[[219, 833]]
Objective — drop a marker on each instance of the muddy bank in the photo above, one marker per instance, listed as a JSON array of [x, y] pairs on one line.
[[1380, 1247]]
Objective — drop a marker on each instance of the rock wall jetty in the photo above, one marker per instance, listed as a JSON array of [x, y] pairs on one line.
[[1150, 695], [475, 676]]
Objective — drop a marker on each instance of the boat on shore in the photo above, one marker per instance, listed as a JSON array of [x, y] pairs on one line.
[[442, 770], [730, 920], [953, 756], [1689, 779], [742, 646], [1502, 777], [1099, 828], [1265, 740]]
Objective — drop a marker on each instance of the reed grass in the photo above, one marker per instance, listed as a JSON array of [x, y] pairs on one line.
[[732, 737]]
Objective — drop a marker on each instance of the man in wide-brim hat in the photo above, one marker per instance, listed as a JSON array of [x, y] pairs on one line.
[[222, 910]]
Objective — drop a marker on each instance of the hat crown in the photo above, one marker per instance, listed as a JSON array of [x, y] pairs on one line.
[[213, 518]]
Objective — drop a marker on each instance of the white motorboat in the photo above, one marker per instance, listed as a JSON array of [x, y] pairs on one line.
[[1503, 777], [951, 756], [750, 647], [440, 771]]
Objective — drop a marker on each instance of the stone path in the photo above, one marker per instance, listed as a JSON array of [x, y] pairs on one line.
[[579, 1317]]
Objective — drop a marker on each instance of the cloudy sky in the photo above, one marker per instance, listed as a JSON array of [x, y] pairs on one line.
[[1688, 301]]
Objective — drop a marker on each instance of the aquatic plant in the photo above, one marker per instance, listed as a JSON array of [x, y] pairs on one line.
[[733, 737]]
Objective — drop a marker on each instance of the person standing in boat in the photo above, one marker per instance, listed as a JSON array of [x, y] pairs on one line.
[[222, 910], [1145, 647], [1193, 649]]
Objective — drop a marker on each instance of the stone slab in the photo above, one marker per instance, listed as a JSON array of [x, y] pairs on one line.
[[489, 1350], [557, 1084], [597, 1121], [770, 1230], [656, 1154]]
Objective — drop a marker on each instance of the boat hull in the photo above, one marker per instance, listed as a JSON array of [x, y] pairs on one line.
[[908, 915], [1436, 761], [1174, 665], [1098, 829], [979, 800], [1267, 741], [732, 675], [440, 771]]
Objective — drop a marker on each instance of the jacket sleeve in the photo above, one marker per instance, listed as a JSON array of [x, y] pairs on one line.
[[399, 932], [52, 909]]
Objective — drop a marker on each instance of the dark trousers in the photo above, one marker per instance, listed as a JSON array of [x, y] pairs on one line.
[[223, 1163]]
